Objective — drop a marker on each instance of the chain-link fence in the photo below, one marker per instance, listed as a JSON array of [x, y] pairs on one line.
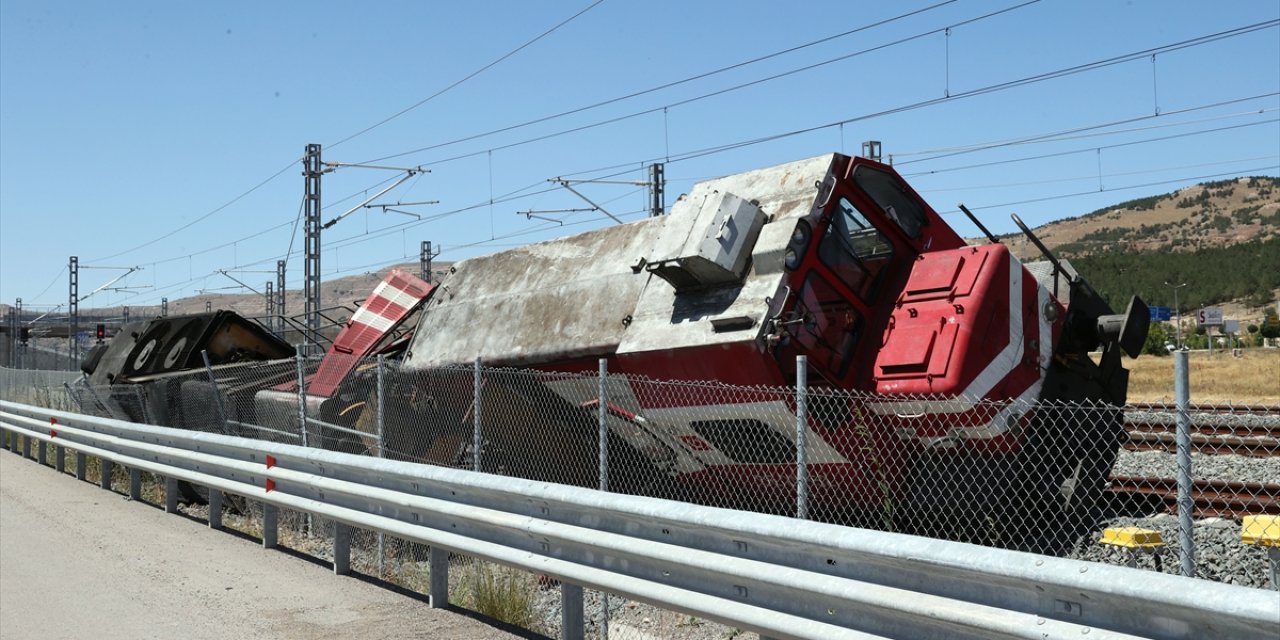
[[1087, 481]]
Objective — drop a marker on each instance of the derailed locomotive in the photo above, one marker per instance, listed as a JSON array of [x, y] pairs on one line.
[[956, 372], [969, 368]]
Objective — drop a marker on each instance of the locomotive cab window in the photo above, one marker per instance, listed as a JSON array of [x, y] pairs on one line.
[[854, 249], [892, 198]]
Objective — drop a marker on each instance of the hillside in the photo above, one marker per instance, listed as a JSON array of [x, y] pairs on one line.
[[1212, 214], [1220, 238]]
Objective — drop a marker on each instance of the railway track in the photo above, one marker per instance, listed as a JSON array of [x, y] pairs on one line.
[[1215, 429], [1210, 497]]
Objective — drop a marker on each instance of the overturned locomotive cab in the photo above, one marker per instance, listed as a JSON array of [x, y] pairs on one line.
[[833, 258]]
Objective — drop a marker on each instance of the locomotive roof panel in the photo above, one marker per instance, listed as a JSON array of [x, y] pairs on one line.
[[579, 296]]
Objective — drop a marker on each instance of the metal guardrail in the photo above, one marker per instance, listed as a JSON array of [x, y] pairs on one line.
[[777, 576]]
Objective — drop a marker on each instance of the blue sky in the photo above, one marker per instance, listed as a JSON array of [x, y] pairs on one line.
[[134, 134]]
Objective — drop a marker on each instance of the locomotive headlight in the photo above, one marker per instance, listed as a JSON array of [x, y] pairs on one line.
[[796, 248]]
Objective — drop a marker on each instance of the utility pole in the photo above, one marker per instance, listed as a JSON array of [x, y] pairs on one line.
[[164, 307], [280, 310], [271, 306], [424, 260], [311, 272], [657, 189], [125, 313], [73, 308]]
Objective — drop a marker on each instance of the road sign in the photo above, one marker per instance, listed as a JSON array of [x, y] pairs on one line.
[[1160, 313], [1209, 315], [1231, 326]]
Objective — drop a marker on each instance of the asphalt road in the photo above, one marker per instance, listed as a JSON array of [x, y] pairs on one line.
[[80, 562]]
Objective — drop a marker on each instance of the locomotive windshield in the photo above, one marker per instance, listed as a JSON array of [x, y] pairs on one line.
[[891, 196], [855, 250]]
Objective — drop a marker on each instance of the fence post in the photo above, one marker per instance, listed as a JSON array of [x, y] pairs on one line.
[[217, 394], [476, 440], [802, 427], [382, 449], [1182, 393], [603, 414], [302, 395]]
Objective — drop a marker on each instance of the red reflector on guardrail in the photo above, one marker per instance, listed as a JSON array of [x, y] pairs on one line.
[[53, 420], [53, 433], [271, 461], [271, 485]]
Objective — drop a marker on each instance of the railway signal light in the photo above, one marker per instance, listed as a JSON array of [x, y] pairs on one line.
[[101, 332]]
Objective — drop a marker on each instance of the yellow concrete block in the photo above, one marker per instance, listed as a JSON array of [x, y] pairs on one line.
[[1132, 537], [1263, 531]]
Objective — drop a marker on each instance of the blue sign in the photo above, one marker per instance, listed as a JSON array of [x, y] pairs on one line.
[[1161, 313]]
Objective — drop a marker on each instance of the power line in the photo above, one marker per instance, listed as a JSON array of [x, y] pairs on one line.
[[1066, 134], [466, 78], [712, 94], [1091, 149], [201, 218], [674, 83]]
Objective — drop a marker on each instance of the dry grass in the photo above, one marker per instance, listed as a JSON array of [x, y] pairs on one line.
[[1252, 378]]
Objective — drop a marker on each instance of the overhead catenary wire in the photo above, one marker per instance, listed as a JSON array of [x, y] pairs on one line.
[[674, 83], [712, 94], [469, 76]]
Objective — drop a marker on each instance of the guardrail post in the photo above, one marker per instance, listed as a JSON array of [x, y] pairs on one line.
[[438, 566], [476, 440], [41, 456], [1182, 394], [215, 509], [60, 458], [81, 472], [135, 484], [104, 473], [571, 619], [270, 525], [802, 428], [341, 548], [26, 447], [170, 495]]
